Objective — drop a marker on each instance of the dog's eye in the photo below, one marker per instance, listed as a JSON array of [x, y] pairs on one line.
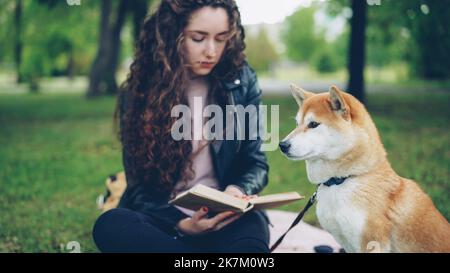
[[313, 124]]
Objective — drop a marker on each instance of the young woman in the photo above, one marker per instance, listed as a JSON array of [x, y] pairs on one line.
[[187, 49]]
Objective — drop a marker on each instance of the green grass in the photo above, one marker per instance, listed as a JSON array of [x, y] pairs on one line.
[[56, 151]]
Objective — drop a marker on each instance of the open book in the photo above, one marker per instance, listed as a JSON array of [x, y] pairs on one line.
[[217, 201]]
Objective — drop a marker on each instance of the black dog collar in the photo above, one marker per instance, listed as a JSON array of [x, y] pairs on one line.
[[335, 181]]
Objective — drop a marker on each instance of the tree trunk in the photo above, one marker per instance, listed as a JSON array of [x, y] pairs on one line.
[[70, 70], [18, 39], [356, 53], [139, 9], [113, 60], [102, 79], [98, 68]]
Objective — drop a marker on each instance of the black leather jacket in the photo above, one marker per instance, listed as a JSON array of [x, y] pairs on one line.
[[236, 162]]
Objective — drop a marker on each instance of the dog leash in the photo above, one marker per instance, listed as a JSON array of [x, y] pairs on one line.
[[296, 221]]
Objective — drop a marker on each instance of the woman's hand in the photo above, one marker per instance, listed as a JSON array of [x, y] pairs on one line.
[[236, 192], [200, 223]]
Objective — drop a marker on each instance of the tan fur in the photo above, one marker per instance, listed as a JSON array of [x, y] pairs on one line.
[[401, 217]]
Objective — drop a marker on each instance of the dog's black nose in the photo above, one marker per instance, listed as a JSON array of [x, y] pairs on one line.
[[284, 146]]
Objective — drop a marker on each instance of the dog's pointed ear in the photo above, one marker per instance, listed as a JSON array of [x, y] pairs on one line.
[[337, 100], [299, 94]]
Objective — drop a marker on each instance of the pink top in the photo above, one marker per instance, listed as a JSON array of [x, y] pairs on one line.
[[201, 155]]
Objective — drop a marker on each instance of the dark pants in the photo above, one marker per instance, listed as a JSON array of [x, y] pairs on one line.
[[124, 230]]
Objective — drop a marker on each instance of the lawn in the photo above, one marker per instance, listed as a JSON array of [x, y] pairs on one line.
[[56, 151]]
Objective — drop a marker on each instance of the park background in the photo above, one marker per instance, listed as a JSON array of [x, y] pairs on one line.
[[61, 64]]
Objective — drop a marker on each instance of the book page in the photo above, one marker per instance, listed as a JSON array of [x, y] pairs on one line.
[[218, 201], [215, 200], [275, 200], [218, 196]]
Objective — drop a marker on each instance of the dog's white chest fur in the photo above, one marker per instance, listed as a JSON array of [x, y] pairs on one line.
[[338, 215]]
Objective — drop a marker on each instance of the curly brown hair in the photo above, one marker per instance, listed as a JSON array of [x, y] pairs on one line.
[[157, 82]]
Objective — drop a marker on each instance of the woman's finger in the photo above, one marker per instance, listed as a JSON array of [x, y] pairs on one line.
[[227, 222], [214, 221], [249, 197], [200, 214]]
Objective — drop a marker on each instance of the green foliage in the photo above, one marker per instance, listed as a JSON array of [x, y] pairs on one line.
[[339, 47], [415, 32], [56, 37], [6, 35], [429, 26], [260, 51], [300, 37], [35, 66], [325, 61]]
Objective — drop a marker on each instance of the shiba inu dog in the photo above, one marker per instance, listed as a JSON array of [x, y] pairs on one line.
[[361, 201]]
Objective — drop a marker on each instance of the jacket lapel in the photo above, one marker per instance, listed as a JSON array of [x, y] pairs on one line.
[[228, 86]]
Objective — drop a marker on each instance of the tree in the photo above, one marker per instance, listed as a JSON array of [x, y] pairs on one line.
[[260, 51], [428, 22], [18, 39], [325, 61], [46, 38], [51, 38], [414, 32], [356, 53], [102, 78], [300, 37]]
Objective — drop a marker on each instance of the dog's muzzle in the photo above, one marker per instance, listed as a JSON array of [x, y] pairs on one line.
[[284, 146]]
